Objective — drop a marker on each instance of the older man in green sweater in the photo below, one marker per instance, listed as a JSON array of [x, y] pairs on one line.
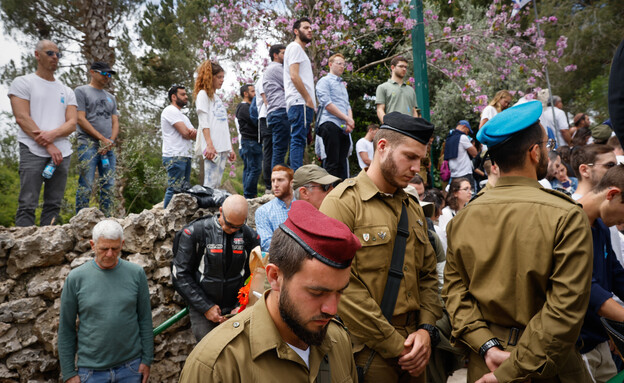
[[114, 341]]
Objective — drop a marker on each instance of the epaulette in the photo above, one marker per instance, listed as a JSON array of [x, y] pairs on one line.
[[479, 194], [560, 195], [338, 320], [228, 331], [344, 185]]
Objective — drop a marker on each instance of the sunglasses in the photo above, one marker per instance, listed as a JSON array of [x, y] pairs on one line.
[[107, 74], [235, 227], [326, 188], [53, 53]]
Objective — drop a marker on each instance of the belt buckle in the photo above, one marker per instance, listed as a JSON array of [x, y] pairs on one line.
[[514, 334]]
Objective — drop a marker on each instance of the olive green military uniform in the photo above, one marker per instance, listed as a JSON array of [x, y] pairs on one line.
[[249, 348], [519, 268], [373, 217]]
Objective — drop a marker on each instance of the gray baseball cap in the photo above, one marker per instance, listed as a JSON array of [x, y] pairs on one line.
[[312, 173]]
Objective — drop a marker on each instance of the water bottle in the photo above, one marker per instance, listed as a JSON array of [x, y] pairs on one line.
[[105, 161], [49, 170]]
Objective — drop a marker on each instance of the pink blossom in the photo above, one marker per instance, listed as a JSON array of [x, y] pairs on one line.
[[377, 44], [570, 68]]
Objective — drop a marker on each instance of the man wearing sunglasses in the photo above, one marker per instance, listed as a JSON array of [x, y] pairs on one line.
[[212, 264], [98, 127], [312, 183], [45, 111]]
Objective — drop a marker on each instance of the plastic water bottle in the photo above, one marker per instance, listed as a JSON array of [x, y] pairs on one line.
[[49, 170], [105, 161]]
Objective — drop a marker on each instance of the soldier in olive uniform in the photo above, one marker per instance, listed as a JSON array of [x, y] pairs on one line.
[[518, 265], [370, 205], [290, 335]]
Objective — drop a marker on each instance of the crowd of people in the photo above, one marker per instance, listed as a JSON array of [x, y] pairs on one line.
[[378, 277]]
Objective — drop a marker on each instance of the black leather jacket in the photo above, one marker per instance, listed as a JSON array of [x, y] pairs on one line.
[[198, 272]]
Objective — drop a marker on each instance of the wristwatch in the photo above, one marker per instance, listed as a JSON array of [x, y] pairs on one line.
[[434, 334], [488, 345]]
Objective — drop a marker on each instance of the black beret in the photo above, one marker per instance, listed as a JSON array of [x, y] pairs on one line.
[[414, 127]]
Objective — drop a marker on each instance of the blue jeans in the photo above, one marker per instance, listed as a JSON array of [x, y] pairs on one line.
[[300, 117], [251, 153], [89, 159], [124, 373], [30, 168], [178, 171], [280, 131]]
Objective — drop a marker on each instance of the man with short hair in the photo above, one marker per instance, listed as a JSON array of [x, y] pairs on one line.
[[277, 117], [559, 125], [212, 264], [111, 299], [364, 147], [299, 90], [289, 334], [492, 172], [417, 185], [251, 149], [98, 127], [336, 120], [273, 213], [312, 183], [604, 206], [45, 111], [177, 140], [394, 343], [590, 163], [394, 95], [457, 151], [519, 329]]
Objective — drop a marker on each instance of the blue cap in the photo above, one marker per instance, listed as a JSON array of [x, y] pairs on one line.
[[509, 122], [466, 124]]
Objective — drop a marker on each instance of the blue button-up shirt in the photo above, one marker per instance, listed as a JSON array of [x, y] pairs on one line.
[[268, 218], [332, 90]]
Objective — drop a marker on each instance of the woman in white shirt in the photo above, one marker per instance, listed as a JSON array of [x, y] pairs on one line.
[[459, 194], [213, 142], [500, 102]]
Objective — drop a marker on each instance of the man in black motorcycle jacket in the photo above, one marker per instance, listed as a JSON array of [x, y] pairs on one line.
[[212, 263]]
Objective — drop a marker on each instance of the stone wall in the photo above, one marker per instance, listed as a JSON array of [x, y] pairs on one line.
[[35, 261]]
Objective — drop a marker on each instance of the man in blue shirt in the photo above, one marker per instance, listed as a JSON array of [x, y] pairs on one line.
[[270, 215], [604, 206], [336, 118]]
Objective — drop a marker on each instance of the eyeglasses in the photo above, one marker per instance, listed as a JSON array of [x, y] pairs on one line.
[[402, 66], [608, 165], [235, 227], [550, 143], [326, 188], [107, 74], [53, 53]]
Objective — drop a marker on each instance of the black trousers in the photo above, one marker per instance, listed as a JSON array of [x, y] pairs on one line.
[[266, 138], [336, 148]]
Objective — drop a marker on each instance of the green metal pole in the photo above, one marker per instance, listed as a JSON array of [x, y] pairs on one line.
[[169, 322], [420, 59]]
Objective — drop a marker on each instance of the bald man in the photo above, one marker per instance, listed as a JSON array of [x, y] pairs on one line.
[[212, 263]]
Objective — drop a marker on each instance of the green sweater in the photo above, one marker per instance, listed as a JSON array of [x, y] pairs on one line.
[[115, 318]]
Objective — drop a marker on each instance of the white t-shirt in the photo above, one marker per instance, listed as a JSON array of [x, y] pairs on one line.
[[294, 54], [262, 108], [304, 354], [547, 122], [461, 165], [546, 184], [212, 115], [489, 112], [173, 143], [48, 103], [364, 145]]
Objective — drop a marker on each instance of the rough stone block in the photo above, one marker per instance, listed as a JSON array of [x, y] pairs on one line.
[[21, 310]]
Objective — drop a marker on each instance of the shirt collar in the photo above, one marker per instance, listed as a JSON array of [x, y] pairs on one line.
[[368, 189], [334, 77], [517, 181]]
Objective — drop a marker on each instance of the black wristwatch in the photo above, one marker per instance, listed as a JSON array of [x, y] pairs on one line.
[[434, 334], [488, 345]]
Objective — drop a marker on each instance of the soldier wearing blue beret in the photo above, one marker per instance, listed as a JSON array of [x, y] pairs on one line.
[[517, 295]]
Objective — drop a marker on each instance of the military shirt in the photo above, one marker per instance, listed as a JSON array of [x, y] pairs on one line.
[[396, 98], [249, 348], [520, 256], [373, 217]]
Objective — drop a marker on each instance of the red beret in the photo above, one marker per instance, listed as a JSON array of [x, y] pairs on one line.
[[325, 238]]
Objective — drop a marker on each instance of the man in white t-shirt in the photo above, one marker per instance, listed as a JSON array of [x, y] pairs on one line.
[[559, 125], [177, 140], [458, 150], [45, 111], [364, 148], [299, 90]]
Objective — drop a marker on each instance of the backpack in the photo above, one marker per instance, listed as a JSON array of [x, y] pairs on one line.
[[445, 171]]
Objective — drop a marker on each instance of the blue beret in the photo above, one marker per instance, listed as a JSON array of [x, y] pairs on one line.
[[509, 122]]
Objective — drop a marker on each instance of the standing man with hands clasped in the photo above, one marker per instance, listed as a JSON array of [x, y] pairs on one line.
[[391, 304], [45, 111], [98, 127]]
